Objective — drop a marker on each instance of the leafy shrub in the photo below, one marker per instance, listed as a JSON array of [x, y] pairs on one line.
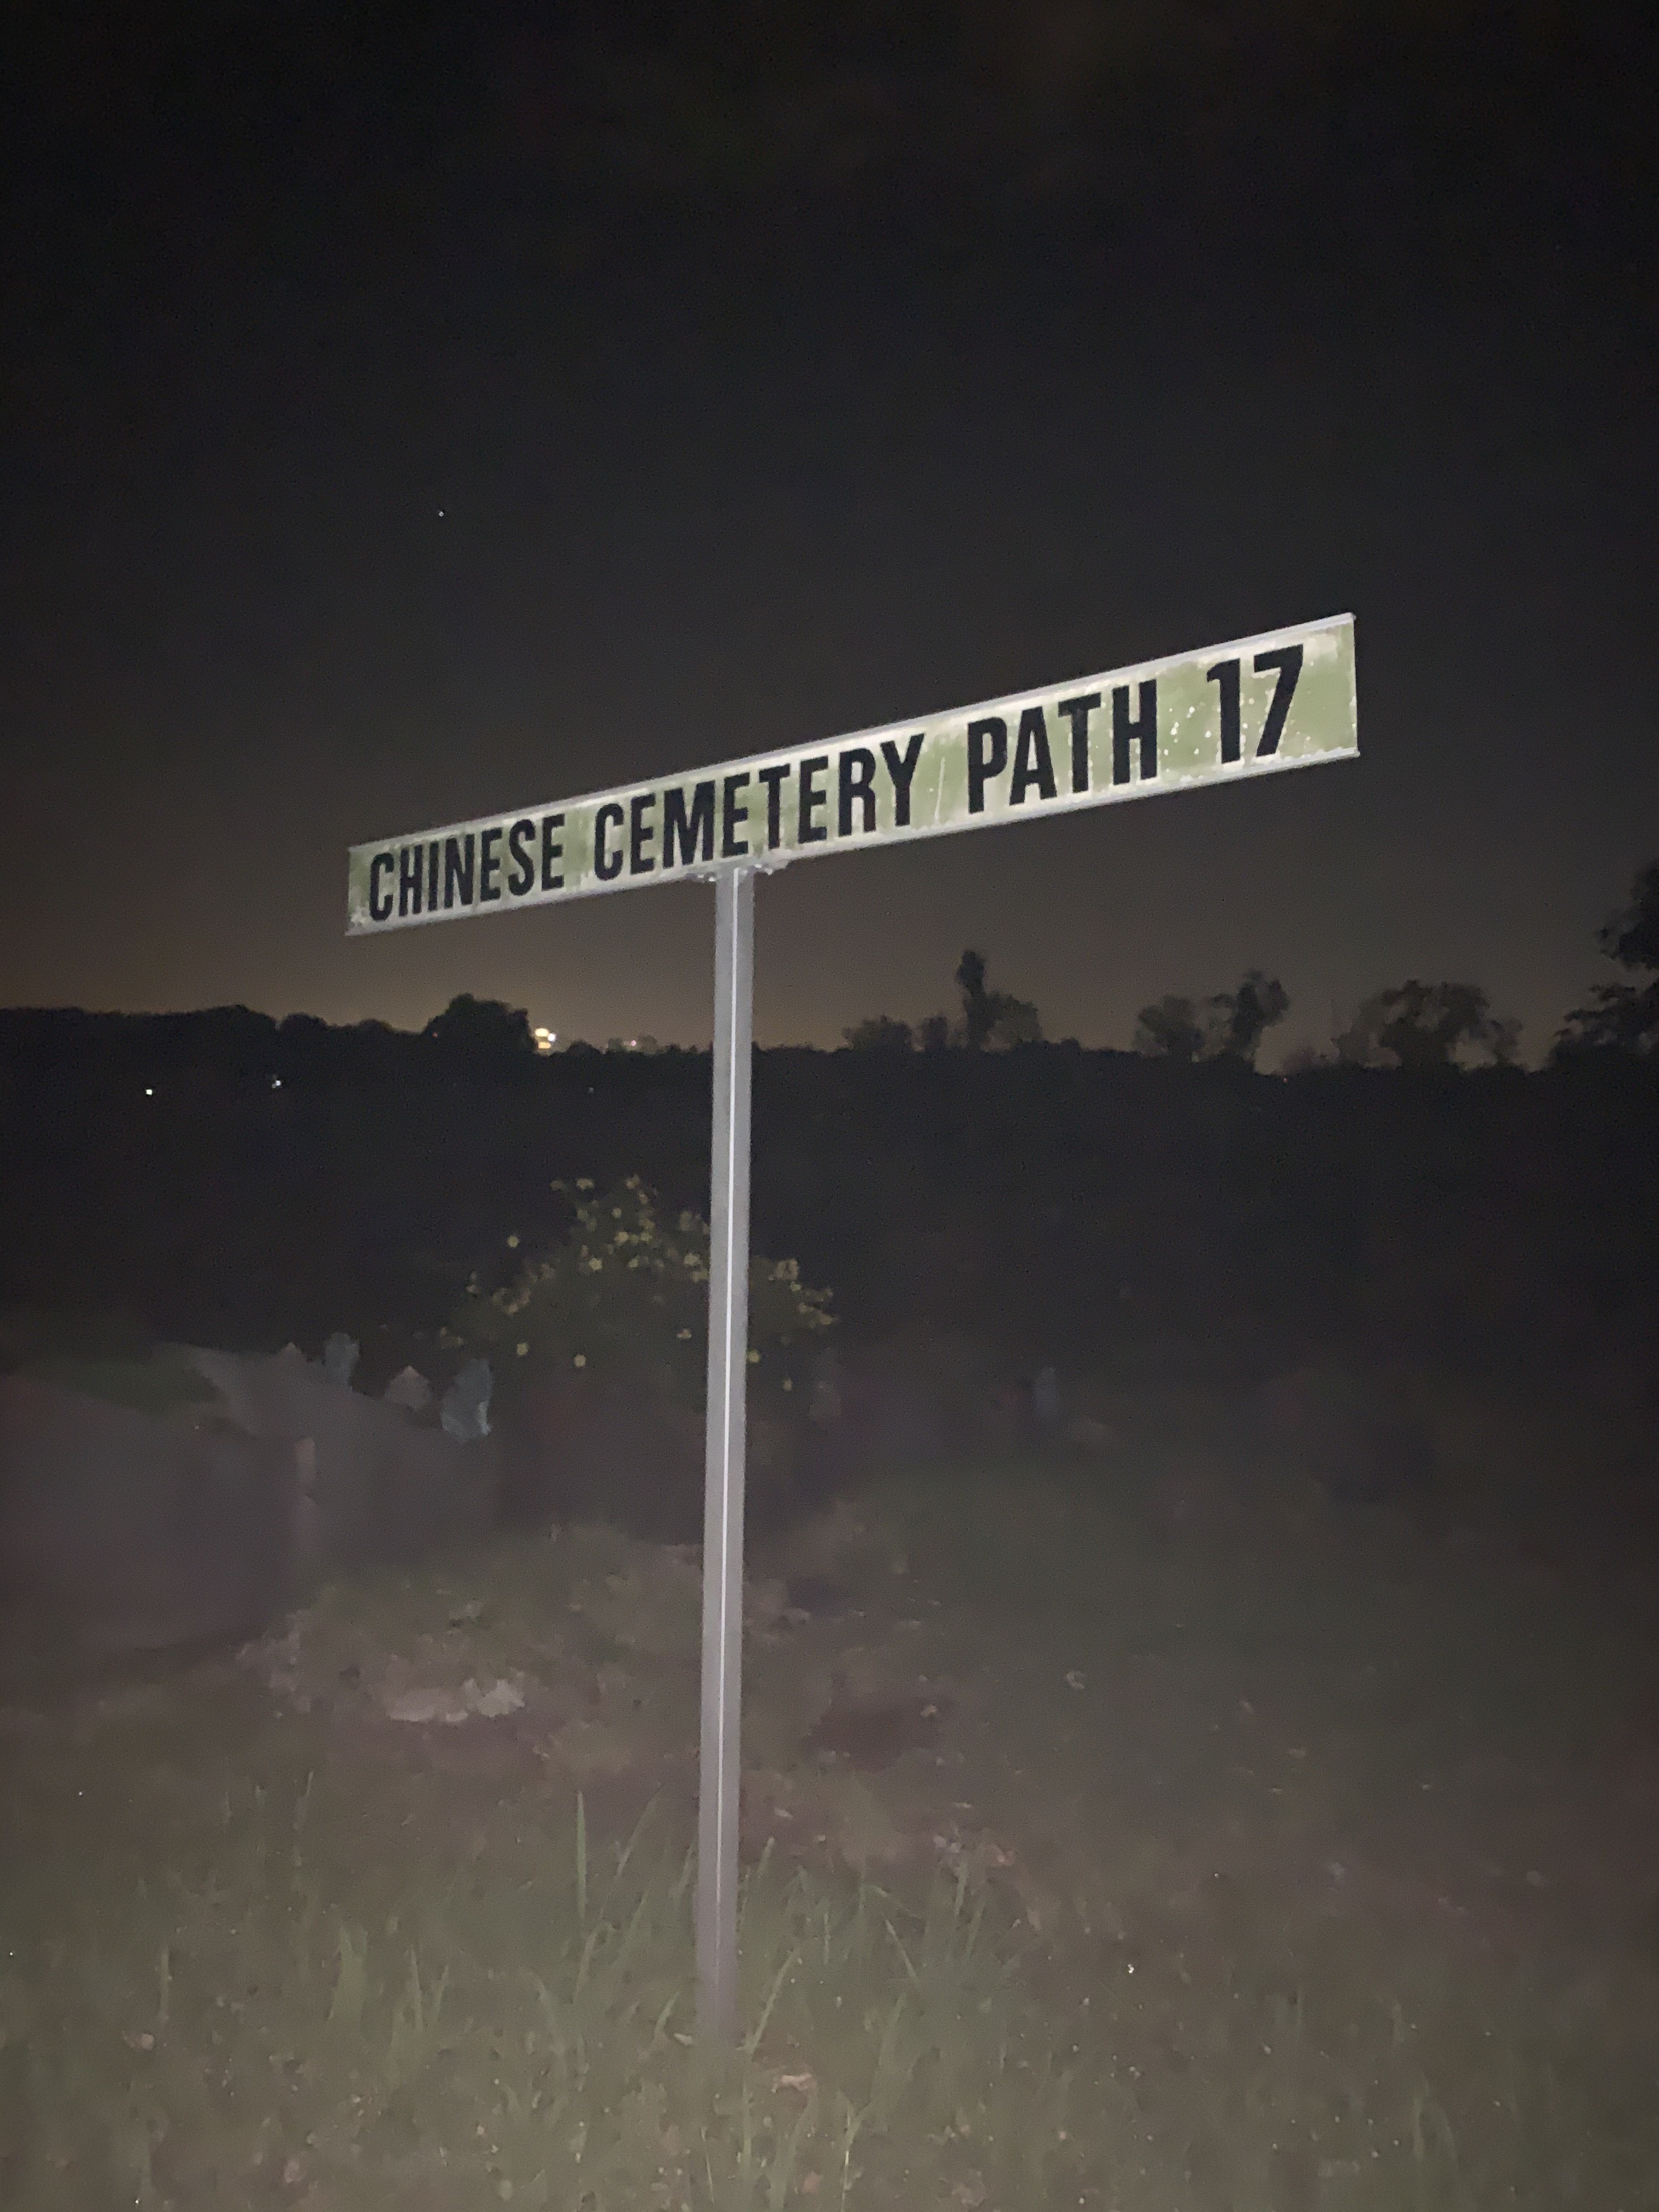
[[623, 1301]]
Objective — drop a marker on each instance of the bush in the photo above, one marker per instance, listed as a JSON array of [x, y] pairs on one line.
[[623, 1301]]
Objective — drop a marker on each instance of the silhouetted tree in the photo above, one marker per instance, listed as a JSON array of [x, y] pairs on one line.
[[1243, 1017], [1017, 1021], [1623, 1016], [1426, 1026], [880, 1033], [977, 1013], [1170, 1029], [481, 1033], [1229, 1026], [993, 1017], [309, 1050]]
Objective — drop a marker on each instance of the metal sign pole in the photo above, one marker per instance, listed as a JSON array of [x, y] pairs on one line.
[[728, 1379]]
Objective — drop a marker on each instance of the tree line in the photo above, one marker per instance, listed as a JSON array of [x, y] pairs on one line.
[[1412, 1025]]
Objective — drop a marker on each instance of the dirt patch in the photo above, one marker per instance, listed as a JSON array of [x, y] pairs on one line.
[[871, 1734], [585, 1678]]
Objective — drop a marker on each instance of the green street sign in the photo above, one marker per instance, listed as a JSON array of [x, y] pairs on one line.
[[1257, 708]]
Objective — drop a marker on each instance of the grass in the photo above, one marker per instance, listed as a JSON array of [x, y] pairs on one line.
[[247, 1958], [274, 2019]]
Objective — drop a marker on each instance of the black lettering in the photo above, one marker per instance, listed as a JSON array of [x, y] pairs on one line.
[[901, 767], [459, 864], [688, 829], [1144, 726], [607, 866], [1033, 762], [524, 868], [731, 815], [1077, 711], [772, 779], [641, 833], [490, 865], [376, 912], [856, 769], [808, 832], [1287, 659], [1226, 674], [411, 866], [432, 853], [552, 852], [983, 765]]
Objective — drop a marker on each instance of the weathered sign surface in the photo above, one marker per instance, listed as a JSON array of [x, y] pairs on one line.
[[1282, 701]]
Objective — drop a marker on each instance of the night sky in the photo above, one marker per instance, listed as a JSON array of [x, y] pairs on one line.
[[410, 415]]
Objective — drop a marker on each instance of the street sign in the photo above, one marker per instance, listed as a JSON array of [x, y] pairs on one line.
[[1283, 701], [1263, 706]]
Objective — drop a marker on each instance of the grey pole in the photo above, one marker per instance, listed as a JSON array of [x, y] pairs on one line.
[[722, 1526]]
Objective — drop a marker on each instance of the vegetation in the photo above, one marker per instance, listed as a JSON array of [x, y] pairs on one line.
[[624, 1300], [1230, 1026], [481, 1032], [1425, 1027], [989, 1020], [992, 1018], [237, 1181], [979, 1191], [1624, 1017], [880, 1033], [1281, 1869]]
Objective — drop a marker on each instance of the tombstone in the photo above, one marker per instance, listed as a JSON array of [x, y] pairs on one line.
[[465, 1410], [340, 1359], [386, 1487], [123, 1531], [408, 1388]]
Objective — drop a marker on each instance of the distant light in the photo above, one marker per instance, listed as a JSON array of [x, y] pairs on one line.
[[546, 1039], [276, 1082], [149, 1091]]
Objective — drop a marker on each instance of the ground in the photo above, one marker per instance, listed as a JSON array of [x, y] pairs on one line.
[[1144, 1833]]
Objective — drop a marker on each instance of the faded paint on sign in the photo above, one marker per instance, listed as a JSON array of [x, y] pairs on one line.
[[1282, 701]]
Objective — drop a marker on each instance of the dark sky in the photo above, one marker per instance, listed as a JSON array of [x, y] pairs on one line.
[[408, 414]]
